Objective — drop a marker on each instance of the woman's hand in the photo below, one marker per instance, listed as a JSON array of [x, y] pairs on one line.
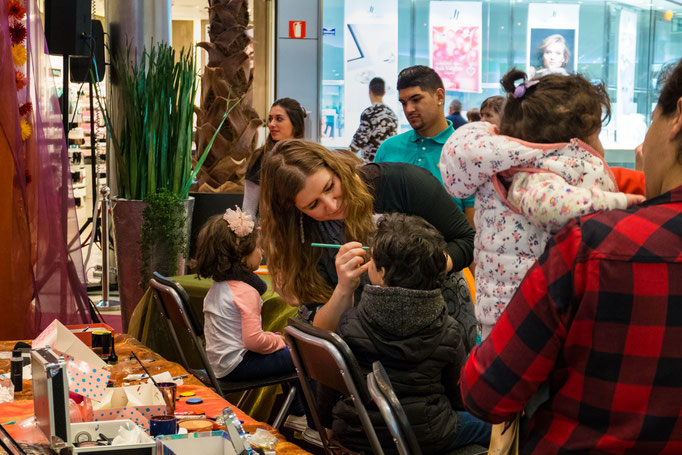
[[350, 264]]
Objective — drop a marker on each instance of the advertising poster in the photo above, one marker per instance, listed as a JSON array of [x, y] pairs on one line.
[[552, 45], [455, 44], [370, 50], [630, 126]]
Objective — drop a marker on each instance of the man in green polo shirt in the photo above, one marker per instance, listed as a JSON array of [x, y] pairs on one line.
[[421, 92]]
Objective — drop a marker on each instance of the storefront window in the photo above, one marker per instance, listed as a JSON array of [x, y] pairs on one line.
[[472, 44]]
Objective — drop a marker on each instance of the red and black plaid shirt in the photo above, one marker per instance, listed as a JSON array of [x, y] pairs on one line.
[[598, 318]]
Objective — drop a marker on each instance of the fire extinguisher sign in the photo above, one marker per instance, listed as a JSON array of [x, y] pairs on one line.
[[297, 29]]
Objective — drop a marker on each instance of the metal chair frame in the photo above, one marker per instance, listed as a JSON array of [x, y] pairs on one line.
[[302, 336], [379, 386]]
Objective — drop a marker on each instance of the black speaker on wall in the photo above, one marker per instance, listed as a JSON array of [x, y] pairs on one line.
[[80, 66], [68, 26]]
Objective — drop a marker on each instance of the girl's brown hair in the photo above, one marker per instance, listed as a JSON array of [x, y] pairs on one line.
[[220, 254], [287, 232], [556, 109]]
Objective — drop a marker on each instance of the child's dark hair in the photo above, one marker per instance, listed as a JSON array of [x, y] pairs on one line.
[[556, 109], [419, 76], [411, 251], [220, 253]]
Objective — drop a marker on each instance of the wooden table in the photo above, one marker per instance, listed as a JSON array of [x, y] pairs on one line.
[[22, 407], [147, 326]]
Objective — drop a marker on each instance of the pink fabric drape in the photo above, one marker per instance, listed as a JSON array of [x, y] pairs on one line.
[[45, 247]]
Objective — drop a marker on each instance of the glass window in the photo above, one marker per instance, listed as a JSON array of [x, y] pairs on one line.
[[625, 44]]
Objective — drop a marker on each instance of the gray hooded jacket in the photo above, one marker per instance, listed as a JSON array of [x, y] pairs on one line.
[[422, 350]]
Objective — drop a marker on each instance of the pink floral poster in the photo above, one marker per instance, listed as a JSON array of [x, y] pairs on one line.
[[455, 44]]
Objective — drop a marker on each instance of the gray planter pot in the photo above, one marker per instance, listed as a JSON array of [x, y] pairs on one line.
[[127, 231]]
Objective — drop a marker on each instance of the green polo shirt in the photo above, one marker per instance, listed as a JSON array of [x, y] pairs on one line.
[[411, 148]]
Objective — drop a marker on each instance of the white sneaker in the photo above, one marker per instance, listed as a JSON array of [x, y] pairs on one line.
[[296, 423], [311, 436]]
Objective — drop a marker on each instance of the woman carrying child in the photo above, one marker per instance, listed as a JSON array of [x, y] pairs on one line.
[[544, 167], [286, 120]]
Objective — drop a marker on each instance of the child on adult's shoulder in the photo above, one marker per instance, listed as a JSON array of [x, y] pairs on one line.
[[545, 163], [228, 250], [402, 320]]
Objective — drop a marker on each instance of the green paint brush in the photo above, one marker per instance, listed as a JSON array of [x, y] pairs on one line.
[[331, 245]]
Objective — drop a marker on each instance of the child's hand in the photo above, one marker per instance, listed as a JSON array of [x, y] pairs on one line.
[[634, 199], [350, 264]]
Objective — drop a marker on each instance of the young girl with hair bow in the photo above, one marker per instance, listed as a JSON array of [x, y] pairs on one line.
[[229, 251]]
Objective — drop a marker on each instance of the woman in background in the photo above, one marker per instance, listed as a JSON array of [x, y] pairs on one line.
[[491, 108], [285, 121]]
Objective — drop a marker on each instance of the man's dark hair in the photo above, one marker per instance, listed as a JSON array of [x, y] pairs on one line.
[[672, 89], [670, 95], [377, 86], [411, 252], [419, 76]]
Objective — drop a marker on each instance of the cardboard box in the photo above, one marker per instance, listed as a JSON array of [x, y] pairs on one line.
[[51, 407], [84, 331], [210, 442], [137, 403], [87, 374]]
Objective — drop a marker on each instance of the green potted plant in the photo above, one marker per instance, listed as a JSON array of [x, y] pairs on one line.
[[150, 124]]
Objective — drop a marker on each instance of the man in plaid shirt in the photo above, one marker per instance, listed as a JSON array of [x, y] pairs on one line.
[[599, 319]]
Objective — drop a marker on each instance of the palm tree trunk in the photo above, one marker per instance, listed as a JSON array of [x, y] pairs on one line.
[[227, 76]]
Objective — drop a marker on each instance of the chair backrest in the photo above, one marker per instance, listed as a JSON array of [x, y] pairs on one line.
[[173, 314], [382, 393], [323, 356], [176, 311]]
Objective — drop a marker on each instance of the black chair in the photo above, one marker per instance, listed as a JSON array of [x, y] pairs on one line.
[[381, 390], [177, 312], [323, 356]]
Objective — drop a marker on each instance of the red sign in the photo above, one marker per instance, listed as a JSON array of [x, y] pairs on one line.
[[297, 29]]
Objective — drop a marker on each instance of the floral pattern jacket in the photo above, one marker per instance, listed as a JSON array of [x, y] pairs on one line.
[[476, 159], [377, 123]]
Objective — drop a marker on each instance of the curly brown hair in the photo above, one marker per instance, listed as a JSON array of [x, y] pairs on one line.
[[557, 109], [220, 253], [293, 264]]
